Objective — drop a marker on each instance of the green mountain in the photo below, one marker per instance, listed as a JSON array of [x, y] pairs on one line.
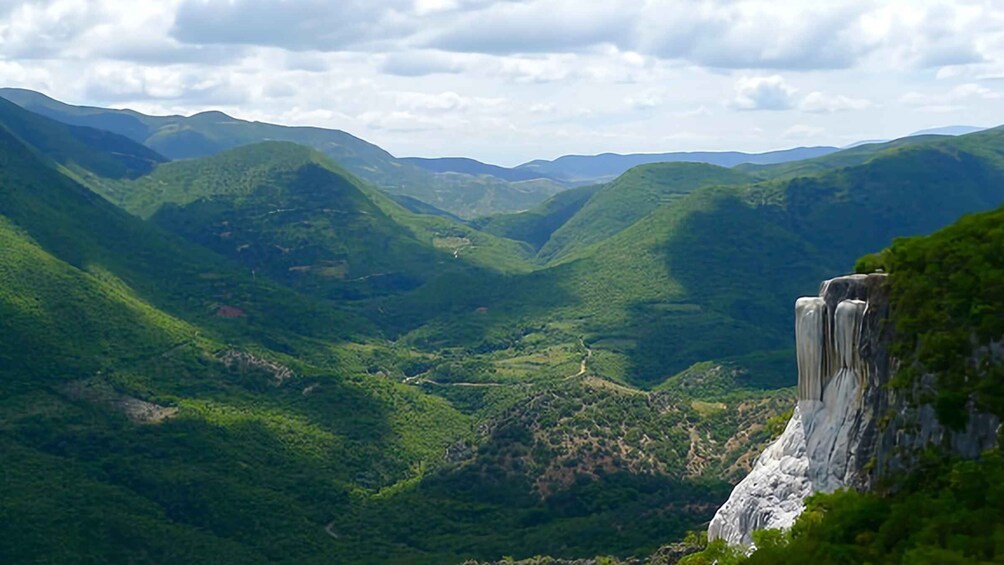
[[719, 270], [631, 197], [287, 211], [580, 217], [472, 167], [209, 133], [147, 382]]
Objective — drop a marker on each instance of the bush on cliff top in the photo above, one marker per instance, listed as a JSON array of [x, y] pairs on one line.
[[947, 293]]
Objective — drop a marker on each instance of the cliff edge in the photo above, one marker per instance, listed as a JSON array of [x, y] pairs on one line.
[[850, 428]]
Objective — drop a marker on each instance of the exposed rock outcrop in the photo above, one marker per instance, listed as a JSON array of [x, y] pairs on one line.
[[244, 361], [849, 428], [136, 410]]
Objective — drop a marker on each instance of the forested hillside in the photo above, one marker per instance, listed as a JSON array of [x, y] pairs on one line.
[[946, 306], [711, 276], [256, 355]]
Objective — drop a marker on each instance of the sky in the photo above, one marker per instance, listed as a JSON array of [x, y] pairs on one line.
[[513, 80]]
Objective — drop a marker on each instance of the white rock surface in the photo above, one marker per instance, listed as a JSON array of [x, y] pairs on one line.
[[816, 451], [771, 495]]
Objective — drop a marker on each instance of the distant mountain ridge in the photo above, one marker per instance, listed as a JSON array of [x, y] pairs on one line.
[[578, 170], [212, 132], [80, 147], [943, 130], [472, 167], [607, 166], [948, 130]]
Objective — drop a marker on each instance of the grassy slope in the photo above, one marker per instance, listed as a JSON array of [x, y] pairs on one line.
[[629, 198]]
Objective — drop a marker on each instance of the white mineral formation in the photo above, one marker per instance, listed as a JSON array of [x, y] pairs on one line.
[[816, 451]]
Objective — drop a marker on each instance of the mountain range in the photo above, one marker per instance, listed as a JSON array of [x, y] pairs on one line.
[[461, 186], [209, 133], [227, 343]]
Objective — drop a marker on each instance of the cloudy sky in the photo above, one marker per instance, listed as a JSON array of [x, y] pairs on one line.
[[511, 80]]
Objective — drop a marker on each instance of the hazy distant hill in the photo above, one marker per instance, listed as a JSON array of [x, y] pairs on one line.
[[944, 130], [855, 155], [472, 167], [605, 167], [80, 148], [949, 130]]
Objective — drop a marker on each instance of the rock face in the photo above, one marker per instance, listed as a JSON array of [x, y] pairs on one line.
[[848, 429]]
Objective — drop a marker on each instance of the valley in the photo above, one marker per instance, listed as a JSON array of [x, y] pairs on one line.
[[231, 341]]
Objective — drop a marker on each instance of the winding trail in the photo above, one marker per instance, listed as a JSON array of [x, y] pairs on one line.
[[583, 367]]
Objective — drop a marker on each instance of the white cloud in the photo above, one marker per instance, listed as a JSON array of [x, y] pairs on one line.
[[299, 25], [801, 132], [955, 99], [524, 70], [754, 34], [426, 7], [822, 103], [763, 93], [645, 100], [517, 79], [542, 108], [43, 29], [537, 27], [421, 63], [443, 102]]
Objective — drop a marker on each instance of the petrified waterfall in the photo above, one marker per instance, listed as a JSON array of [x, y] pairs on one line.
[[817, 451], [848, 429], [810, 332]]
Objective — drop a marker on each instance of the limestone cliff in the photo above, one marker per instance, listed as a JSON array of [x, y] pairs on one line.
[[849, 429]]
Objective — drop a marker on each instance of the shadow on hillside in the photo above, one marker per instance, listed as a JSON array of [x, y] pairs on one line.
[[265, 471], [472, 307], [483, 510], [741, 271]]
